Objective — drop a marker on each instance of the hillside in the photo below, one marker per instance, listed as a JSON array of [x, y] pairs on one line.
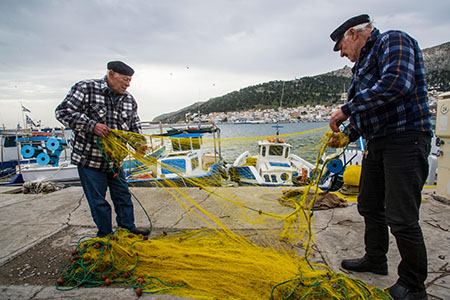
[[323, 89]]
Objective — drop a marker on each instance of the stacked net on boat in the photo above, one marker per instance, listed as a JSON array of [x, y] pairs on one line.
[[263, 253]]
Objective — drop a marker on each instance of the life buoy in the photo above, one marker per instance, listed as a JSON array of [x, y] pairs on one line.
[[280, 140]]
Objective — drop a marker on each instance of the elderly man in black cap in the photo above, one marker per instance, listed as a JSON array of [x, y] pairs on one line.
[[388, 106], [91, 109]]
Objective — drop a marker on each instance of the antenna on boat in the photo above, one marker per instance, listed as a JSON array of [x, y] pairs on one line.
[[277, 127]]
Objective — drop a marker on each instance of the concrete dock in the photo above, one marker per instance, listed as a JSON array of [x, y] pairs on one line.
[[39, 231]]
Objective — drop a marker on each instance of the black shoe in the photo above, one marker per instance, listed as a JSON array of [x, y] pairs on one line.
[[140, 231], [399, 292], [365, 265]]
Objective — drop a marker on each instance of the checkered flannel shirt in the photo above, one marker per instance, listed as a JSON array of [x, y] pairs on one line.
[[388, 93], [90, 102]]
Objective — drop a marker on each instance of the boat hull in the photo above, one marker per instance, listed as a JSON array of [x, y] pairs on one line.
[[64, 173], [212, 178], [248, 175]]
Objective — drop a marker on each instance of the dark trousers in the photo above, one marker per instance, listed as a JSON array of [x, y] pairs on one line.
[[393, 174], [95, 184]]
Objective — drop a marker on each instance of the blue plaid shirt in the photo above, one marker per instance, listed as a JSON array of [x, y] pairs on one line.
[[388, 93], [90, 102]]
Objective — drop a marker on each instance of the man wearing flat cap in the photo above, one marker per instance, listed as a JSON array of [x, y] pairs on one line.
[[91, 109], [388, 106]]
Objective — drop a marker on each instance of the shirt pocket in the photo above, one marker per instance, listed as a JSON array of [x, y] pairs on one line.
[[98, 112]]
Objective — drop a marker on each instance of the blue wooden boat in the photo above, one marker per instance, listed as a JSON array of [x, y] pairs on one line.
[[187, 163]]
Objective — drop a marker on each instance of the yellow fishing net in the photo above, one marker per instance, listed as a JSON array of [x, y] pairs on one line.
[[263, 253]]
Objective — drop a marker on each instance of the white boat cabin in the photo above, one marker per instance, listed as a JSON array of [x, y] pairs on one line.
[[273, 163], [187, 157]]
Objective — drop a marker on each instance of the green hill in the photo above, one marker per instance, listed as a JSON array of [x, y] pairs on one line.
[[325, 89]]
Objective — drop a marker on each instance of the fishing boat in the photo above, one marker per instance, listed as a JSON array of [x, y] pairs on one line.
[[130, 163], [187, 162], [51, 155], [35, 156], [274, 165], [10, 148]]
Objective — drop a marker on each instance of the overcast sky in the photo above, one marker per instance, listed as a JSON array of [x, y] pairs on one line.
[[182, 51]]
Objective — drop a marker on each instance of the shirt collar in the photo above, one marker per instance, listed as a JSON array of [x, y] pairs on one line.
[[107, 90], [105, 87], [370, 41], [367, 46]]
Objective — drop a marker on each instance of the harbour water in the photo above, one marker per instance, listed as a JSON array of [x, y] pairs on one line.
[[239, 137], [230, 130], [292, 133]]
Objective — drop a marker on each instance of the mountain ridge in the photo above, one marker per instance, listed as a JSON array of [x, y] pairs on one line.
[[323, 89]]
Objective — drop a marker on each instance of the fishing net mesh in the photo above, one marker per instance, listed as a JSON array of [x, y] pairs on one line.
[[244, 249]]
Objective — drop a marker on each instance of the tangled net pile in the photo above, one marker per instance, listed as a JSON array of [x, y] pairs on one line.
[[264, 253]]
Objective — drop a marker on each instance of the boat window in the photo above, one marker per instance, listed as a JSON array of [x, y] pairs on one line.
[[274, 178], [196, 143], [185, 144], [287, 152], [176, 144], [10, 141], [276, 150], [266, 178], [194, 163]]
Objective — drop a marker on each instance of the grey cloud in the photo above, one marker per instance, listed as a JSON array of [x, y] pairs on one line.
[[48, 45]]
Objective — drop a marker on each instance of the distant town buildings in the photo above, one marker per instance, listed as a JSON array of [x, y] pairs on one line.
[[308, 113]]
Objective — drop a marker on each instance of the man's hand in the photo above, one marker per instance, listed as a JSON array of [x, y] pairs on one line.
[[337, 139], [336, 119], [101, 130]]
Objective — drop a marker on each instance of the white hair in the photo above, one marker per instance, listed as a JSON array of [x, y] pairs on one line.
[[361, 27]]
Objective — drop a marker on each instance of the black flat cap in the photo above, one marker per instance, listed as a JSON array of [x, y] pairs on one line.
[[338, 33], [120, 67]]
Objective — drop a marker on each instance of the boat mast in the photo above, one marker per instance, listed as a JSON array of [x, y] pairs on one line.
[[282, 93]]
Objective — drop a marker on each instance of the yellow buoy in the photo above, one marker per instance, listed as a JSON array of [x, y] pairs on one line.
[[352, 174]]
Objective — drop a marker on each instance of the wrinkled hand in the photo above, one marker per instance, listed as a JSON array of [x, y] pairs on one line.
[[336, 119], [337, 139], [101, 130]]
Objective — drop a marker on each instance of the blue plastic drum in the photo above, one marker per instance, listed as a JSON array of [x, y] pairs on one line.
[[27, 151], [335, 166], [52, 144], [43, 159]]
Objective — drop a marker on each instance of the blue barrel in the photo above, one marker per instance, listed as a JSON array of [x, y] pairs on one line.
[[52, 144], [43, 159], [27, 151], [336, 166]]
